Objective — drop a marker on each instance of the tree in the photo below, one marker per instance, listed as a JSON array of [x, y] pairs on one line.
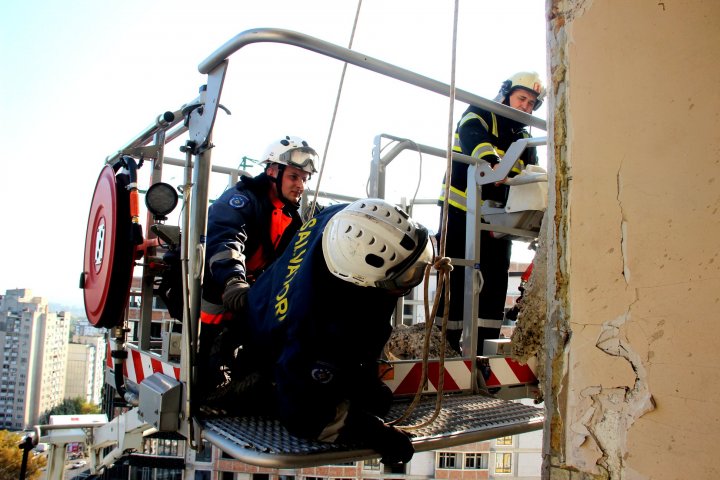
[[69, 406], [11, 458]]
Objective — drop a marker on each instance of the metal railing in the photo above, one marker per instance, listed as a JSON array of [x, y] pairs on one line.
[[198, 116]]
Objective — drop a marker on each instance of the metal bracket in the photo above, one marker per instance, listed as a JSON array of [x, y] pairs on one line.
[[485, 174], [202, 116], [150, 151]]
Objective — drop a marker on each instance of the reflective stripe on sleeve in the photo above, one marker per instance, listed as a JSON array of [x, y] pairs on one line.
[[475, 116], [482, 150], [224, 255]]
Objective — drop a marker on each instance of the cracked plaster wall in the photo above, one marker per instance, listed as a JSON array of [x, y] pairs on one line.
[[632, 383]]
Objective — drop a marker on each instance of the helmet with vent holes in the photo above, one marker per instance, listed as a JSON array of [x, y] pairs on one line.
[[372, 243]]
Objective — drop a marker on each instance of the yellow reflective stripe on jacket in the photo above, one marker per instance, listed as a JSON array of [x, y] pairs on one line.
[[483, 150], [518, 167], [458, 198], [456, 143], [474, 116]]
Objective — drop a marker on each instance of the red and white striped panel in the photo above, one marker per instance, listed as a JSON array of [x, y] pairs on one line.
[[139, 366], [405, 377], [506, 371]]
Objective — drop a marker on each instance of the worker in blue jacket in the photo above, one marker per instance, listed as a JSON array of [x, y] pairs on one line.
[[249, 226], [318, 319]]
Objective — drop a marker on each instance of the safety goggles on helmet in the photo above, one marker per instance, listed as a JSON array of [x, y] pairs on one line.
[[410, 272], [303, 158]]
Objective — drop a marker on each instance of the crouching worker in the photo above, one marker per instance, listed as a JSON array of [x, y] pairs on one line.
[[318, 319]]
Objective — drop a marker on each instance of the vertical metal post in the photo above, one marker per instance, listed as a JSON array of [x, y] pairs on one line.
[[376, 187], [148, 279], [197, 231], [472, 280]]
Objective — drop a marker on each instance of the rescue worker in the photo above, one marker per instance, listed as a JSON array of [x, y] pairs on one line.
[[249, 226], [486, 136], [319, 317]]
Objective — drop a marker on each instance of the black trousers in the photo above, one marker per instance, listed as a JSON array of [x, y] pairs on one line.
[[494, 265]]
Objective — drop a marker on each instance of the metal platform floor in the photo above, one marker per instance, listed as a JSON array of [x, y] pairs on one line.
[[262, 441]]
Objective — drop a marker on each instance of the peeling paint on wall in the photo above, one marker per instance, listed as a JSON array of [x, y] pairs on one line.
[[631, 243], [605, 414], [557, 331]]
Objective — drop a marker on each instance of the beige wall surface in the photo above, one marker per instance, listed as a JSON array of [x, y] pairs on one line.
[[637, 93]]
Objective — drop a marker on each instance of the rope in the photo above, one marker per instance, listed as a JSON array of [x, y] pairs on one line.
[[334, 115], [443, 265]]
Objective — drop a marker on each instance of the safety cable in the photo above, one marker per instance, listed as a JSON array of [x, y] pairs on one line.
[[334, 115], [417, 187], [442, 264]]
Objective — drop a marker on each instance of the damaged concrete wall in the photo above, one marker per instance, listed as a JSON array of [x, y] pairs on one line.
[[632, 383]]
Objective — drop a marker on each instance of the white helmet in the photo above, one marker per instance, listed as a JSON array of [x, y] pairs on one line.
[[529, 81], [293, 151], [372, 243]]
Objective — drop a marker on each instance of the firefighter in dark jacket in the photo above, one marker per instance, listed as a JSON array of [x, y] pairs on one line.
[[486, 136], [318, 319], [249, 226]]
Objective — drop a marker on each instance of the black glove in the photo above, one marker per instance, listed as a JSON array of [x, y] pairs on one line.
[[392, 444], [235, 294]]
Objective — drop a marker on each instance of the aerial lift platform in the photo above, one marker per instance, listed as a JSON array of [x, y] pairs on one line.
[[149, 376]]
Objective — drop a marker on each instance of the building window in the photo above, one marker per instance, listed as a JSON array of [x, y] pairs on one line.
[[504, 441], [308, 478], [372, 464], [476, 461], [447, 460], [227, 476], [206, 455], [503, 463]]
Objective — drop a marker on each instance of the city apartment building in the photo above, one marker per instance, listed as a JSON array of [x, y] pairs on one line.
[[85, 367], [34, 357]]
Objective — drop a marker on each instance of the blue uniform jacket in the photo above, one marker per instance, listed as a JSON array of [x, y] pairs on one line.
[[239, 224], [318, 337]]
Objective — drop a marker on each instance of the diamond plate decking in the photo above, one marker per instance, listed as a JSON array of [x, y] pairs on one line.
[[463, 419]]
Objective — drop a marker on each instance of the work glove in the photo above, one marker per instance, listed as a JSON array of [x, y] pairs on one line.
[[392, 444], [235, 295]]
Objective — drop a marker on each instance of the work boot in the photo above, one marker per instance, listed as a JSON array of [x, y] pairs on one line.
[[211, 368]]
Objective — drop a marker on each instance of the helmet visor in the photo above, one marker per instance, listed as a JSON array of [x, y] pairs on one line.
[[303, 158], [412, 272]]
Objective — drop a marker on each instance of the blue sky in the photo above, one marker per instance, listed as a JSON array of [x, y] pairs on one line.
[[80, 79]]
